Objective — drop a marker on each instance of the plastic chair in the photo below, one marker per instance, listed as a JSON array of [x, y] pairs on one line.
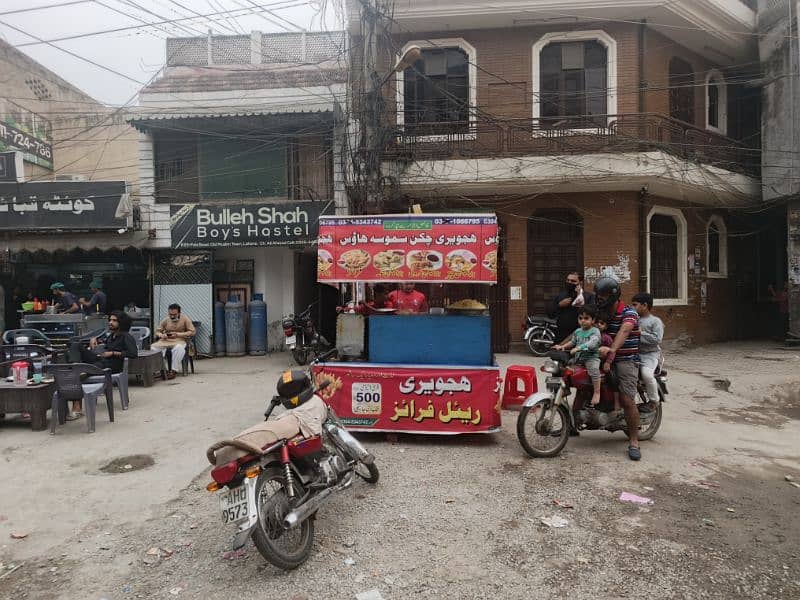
[[120, 380], [27, 352], [34, 337], [516, 375], [187, 362], [142, 337], [69, 388]]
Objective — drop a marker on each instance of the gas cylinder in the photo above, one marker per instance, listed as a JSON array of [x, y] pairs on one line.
[[257, 311], [234, 327], [219, 328]]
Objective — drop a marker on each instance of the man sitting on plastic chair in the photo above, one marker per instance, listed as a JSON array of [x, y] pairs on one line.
[[118, 346], [173, 334]]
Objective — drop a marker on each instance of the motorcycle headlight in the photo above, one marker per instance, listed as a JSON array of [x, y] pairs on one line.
[[550, 367]]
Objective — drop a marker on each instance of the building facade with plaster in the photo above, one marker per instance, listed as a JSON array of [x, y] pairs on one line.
[[240, 151], [626, 143]]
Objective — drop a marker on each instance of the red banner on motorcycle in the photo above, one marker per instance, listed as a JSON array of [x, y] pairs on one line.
[[395, 248], [419, 399]]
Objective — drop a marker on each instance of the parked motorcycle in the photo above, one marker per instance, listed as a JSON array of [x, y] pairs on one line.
[[546, 419], [540, 334], [273, 492], [302, 338]]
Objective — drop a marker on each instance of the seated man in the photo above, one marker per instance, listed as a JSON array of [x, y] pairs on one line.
[[116, 347], [172, 334]]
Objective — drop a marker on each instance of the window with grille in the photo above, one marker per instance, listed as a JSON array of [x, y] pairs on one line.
[[717, 247], [436, 93], [716, 102], [574, 87], [667, 265], [681, 90]]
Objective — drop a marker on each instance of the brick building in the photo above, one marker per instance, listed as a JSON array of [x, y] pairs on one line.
[[620, 141]]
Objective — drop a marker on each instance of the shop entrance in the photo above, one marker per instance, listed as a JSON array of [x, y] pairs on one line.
[[555, 247]]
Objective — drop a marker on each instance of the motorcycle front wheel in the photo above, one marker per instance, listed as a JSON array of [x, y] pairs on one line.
[[543, 429], [368, 473], [540, 341], [286, 549]]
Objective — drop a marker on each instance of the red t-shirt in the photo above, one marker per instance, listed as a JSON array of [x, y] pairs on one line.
[[413, 301]]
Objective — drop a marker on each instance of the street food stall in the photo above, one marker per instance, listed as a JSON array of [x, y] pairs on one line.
[[421, 373]]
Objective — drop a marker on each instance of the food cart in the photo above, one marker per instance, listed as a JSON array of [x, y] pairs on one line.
[[423, 373]]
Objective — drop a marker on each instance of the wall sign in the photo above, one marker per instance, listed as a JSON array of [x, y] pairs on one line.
[[21, 129], [236, 225], [81, 205]]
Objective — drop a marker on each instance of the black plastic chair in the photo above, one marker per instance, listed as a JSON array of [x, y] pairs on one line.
[[28, 352], [186, 364], [34, 337], [70, 388]]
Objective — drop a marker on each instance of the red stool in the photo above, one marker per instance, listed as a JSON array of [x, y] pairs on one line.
[[520, 383]]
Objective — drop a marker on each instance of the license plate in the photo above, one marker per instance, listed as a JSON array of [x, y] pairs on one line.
[[233, 505], [291, 341]]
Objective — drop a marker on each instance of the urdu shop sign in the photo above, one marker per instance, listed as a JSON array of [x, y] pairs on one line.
[[239, 225]]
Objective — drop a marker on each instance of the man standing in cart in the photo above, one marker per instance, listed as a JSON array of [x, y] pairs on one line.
[[407, 300]]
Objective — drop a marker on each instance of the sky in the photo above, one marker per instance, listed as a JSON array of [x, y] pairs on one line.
[[136, 51]]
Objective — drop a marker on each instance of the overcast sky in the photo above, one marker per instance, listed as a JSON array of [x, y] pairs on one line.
[[139, 52]]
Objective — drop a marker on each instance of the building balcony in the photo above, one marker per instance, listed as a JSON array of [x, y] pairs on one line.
[[670, 157], [640, 132]]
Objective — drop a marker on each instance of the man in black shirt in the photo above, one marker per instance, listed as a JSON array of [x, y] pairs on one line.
[[97, 303], [66, 301], [118, 346], [565, 308]]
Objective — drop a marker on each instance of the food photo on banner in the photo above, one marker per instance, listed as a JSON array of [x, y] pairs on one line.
[[419, 248], [227, 225]]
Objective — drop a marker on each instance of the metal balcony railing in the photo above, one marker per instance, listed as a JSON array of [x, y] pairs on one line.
[[637, 132]]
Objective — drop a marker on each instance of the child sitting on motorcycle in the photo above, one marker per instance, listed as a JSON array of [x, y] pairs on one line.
[[585, 347]]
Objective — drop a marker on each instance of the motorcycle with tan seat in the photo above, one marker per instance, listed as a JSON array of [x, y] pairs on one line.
[[273, 478]]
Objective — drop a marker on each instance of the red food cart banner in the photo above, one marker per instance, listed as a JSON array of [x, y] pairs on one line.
[[418, 399], [395, 248]]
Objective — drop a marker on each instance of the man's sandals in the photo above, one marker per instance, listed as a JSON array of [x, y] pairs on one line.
[[634, 453]]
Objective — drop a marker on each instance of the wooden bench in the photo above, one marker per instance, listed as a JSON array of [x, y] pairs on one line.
[[33, 399], [144, 366]]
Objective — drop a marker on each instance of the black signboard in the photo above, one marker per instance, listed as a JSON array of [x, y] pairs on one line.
[[81, 205], [234, 225], [8, 166]]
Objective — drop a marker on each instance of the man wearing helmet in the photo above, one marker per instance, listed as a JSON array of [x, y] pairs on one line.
[[623, 328]]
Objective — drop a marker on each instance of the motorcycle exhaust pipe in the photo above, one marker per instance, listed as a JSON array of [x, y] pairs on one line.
[[305, 510], [348, 443]]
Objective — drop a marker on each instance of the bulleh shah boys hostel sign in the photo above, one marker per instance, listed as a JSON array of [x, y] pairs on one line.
[[236, 225]]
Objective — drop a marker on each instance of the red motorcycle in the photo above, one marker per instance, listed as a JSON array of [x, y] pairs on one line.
[[546, 419]]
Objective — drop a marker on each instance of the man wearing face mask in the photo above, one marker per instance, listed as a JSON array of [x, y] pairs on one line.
[[567, 304], [172, 334]]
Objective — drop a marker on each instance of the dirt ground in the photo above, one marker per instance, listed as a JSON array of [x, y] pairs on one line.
[[450, 517]]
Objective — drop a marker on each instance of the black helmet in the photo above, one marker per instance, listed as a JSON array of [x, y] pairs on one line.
[[607, 286], [294, 388]]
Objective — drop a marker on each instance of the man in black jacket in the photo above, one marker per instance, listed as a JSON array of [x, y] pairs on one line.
[[566, 306], [118, 346]]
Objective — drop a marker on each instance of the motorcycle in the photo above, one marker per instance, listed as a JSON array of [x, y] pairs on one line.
[[301, 337], [273, 493], [546, 419], [540, 334]]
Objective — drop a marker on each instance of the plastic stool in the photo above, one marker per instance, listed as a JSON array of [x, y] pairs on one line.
[[519, 376]]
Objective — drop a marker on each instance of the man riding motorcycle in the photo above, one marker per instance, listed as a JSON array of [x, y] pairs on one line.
[[624, 330]]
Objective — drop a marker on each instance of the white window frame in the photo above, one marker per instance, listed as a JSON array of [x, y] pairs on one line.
[[682, 256], [722, 229], [593, 35], [472, 74], [722, 113]]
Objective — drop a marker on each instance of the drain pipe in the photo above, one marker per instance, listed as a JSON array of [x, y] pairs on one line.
[[642, 197]]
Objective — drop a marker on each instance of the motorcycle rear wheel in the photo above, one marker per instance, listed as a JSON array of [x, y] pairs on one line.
[[651, 430], [529, 429], [285, 549], [536, 346]]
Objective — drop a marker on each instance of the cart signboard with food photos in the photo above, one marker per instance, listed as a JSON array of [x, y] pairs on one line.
[[420, 248]]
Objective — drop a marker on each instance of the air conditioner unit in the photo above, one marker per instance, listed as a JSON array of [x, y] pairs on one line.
[[70, 177]]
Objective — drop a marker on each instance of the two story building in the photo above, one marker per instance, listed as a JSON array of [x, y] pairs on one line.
[[68, 190], [622, 141], [240, 151]]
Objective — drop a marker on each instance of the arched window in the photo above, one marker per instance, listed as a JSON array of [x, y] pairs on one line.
[[666, 256], [716, 248], [435, 94], [681, 90], [574, 79], [716, 102]]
